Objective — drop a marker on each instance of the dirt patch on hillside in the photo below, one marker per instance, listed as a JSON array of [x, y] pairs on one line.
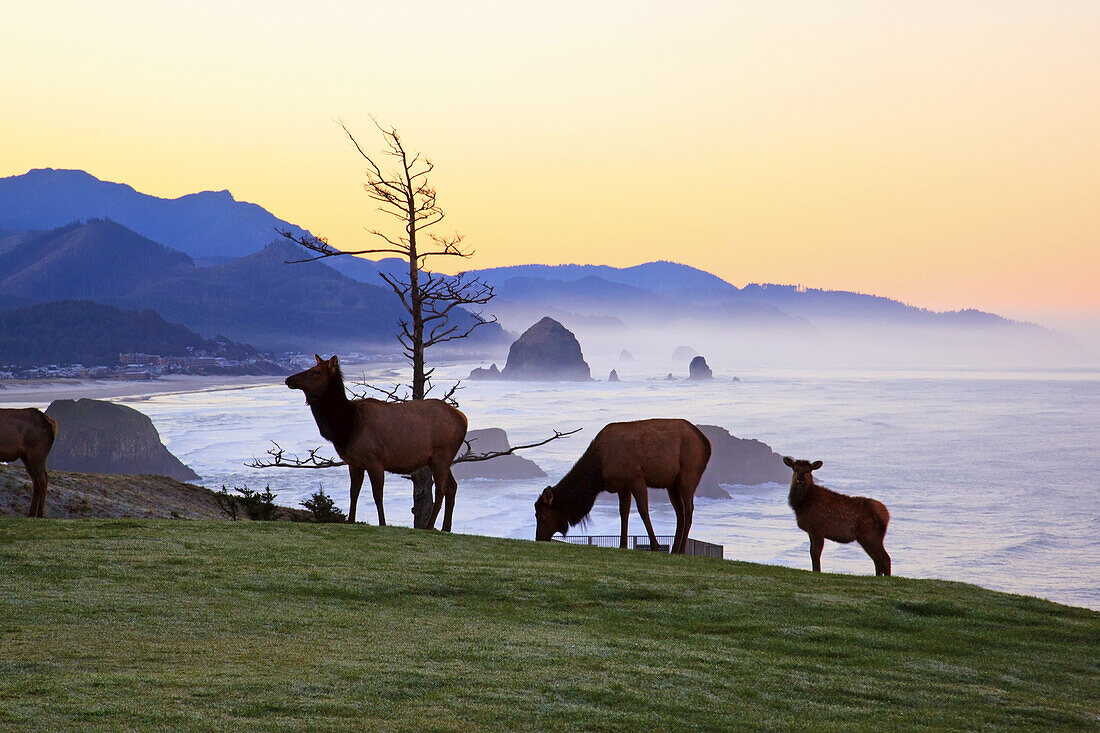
[[95, 495]]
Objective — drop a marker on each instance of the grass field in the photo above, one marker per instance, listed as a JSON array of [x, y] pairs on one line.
[[124, 624]]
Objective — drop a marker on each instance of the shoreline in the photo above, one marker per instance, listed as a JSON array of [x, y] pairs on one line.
[[42, 392]]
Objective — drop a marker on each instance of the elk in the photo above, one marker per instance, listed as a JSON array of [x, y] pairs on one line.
[[625, 458], [825, 514], [28, 434], [373, 436]]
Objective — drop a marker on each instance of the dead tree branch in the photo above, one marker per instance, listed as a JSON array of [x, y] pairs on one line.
[[281, 459]]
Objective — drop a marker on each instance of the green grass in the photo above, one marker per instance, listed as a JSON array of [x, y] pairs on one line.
[[132, 625]]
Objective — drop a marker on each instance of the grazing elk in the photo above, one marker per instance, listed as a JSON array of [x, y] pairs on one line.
[[28, 435], [624, 458], [373, 436], [824, 514]]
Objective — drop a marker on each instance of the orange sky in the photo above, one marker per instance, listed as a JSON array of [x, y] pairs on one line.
[[946, 154]]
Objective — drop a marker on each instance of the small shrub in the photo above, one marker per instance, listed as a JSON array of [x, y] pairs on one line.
[[227, 503], [322, 509], [259, 505]]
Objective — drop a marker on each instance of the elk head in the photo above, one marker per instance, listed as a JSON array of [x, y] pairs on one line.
[[803, 471], [548, 519], [316, 380]]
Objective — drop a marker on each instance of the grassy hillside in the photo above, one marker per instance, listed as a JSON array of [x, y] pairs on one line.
[[130, 624]]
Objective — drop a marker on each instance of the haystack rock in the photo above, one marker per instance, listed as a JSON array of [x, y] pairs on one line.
[[698, 369], [739, 461], [480, 373], [501, 467], [625, 355], [613, 376], [547, 351], [102, 437]]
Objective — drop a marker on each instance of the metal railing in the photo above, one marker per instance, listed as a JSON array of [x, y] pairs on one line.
[[641, 542]]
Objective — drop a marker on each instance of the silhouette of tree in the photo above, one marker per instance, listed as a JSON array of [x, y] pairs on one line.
[[403, 191], [398, 180]]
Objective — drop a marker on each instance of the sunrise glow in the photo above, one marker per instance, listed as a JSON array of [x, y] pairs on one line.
[[946, 155]]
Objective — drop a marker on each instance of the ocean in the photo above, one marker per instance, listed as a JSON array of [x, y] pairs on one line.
[[991, 477]]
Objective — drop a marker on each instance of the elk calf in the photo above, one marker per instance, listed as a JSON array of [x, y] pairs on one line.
[[28, 435], [824, 514]]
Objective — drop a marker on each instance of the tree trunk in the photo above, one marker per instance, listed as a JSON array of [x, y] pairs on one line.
[[422, 498]]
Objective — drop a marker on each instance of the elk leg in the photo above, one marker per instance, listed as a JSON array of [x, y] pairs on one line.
[[37, 472], [816, 545], [452, 489], [356, 474], [641, 500], [624, 516], [677, 502], [441, 477], [686, 499], [878, 553], [377, 481]]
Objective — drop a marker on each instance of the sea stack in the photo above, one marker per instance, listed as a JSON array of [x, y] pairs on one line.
[[547, 351], [509, 467], [481, 373], [699, 370]]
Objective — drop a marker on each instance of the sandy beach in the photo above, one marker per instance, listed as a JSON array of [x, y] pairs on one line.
[[40, 393]]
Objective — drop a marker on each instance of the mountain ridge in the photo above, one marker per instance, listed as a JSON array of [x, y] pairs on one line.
[[258, 298], [201, 224]]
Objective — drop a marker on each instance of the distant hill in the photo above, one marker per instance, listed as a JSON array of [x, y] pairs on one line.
[[259, 298], [659, 276], [97, 260], [206, 224], [264, 300], [83, 332], [526, 298], [667, 287]]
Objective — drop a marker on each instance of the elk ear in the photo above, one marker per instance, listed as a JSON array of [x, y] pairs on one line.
[[789, 461], [547, 496], [318, 358], [816, 465], [333, 362]]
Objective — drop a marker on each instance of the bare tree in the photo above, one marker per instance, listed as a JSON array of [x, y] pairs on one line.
[[399, 182], [404, 192]]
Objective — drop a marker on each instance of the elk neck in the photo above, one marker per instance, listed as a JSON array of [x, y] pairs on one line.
[[334, 414], [799, 490], [575, 494]]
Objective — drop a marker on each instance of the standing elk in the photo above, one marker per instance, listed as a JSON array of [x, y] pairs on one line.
[[373, 436], [825, 514], [27, 435], [625, 458]]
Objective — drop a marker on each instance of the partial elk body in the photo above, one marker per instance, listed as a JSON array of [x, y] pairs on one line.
[[28, 435]]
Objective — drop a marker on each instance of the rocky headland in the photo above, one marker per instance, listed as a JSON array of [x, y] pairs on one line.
[[104, 437], [742, 461], [502, 467]]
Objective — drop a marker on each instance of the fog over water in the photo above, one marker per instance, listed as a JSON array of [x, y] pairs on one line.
[[990, 476]]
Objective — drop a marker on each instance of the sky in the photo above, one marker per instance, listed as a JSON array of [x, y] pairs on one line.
[[945, 154]]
